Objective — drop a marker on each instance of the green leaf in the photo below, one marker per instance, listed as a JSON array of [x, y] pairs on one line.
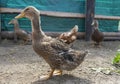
[[116, 58]]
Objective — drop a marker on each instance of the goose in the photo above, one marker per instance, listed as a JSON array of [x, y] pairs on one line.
[[96, 36], [20, 33], [54, 51], [70, 36]]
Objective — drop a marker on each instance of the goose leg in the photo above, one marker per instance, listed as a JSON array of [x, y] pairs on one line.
[[99, 46], [92, 43], [51, 73], [58, 72], [25, 42], [48, 76], [15, 37], [22, 43]]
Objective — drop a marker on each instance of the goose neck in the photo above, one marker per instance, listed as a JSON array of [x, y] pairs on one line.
[[36, 28]]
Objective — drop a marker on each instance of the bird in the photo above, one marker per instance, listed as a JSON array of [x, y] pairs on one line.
[[70, 36], [97, 36], [20, 33], [54, 51]]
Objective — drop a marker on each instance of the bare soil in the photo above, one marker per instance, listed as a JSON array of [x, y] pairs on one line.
[[19, 64]]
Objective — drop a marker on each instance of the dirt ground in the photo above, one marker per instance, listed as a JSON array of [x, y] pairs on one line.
[[21, 65]]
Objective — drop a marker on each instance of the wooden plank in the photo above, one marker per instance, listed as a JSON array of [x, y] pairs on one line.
[[46, 13], [90, 6], [10, 10], [80, 35], [112, 38], [111, 34], [107, 17], [60, 14], [10, 34]]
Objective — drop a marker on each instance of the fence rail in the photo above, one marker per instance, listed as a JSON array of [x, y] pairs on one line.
[[60, 14]]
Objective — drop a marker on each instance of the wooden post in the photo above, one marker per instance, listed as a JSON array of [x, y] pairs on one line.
[[0, 27], [90, 7]]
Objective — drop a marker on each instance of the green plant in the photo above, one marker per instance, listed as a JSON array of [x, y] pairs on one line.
[[116, 59]]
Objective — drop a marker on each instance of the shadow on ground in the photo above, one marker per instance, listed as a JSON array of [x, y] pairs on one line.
[[64, 79]]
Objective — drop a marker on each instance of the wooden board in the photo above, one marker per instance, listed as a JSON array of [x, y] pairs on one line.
[[60, 14], [80, 35]]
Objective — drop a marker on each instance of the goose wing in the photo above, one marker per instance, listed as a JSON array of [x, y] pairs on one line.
[[63, 50]]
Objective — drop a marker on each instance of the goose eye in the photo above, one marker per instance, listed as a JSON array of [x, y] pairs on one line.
[[27, 9]]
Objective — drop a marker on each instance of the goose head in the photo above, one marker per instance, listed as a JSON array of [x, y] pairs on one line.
[[29, 12], [95, 24], [75, 29]]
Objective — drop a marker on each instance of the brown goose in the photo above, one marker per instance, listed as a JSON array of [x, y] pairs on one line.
[[25, 36], [71, 36], [56, 53], [97, 36]]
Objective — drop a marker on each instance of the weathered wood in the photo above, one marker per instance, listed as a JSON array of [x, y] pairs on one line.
[[46, 13], [90, 6], [10, 10], [80, 35], [7, 35], [111, 34], [112, 38], [60, 14], [10, 34], [107, 17]]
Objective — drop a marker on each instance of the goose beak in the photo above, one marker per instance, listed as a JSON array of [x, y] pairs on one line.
[[10, 22], [21, 15], [93, 23]]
